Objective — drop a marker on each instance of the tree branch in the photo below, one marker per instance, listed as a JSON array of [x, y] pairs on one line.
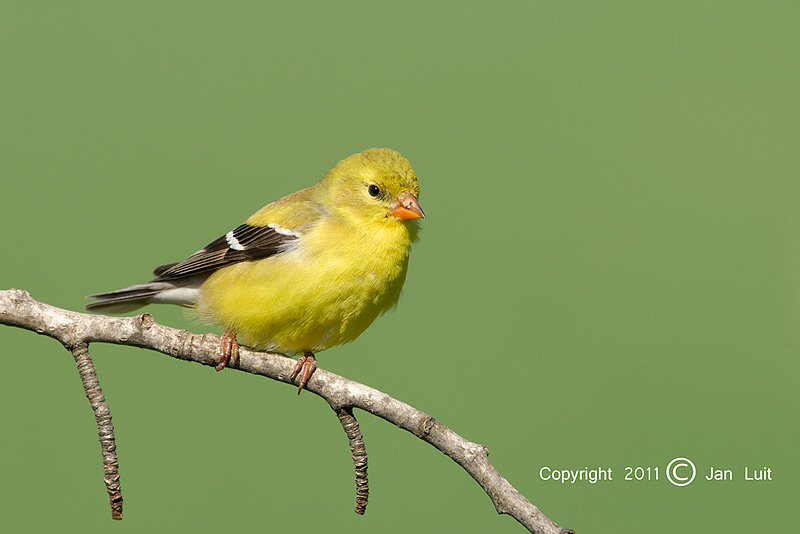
[[105, 429], [356, 440], [75, 330]]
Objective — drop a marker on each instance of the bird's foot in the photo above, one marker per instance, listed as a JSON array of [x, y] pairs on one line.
[[228, 349], [306, 365]]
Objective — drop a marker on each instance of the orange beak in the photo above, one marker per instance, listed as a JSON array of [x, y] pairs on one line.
[[408, 207]]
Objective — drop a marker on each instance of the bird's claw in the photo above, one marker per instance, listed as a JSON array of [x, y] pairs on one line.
[[306, 365], [228, 350]]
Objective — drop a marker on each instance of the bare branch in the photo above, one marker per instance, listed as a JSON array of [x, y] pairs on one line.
[[72, 329], [356, 440], [105, 429]]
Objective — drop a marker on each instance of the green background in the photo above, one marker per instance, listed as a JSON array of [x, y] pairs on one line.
[[609, 274]]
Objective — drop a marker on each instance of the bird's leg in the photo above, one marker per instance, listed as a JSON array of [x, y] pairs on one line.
[[228, 349], [307, 364]]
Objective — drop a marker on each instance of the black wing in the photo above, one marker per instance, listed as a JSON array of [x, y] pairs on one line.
[[243, 243]]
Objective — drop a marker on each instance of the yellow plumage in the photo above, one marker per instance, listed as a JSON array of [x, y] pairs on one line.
[[347, 268], [307, 272]]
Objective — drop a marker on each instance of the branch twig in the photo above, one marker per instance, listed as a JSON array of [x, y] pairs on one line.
[[105, 429], [356, 440], [74, 329]]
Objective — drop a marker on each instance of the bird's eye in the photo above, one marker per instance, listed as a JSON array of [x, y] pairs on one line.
[[373, 190]]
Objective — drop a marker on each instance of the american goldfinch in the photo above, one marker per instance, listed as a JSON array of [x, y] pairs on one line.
[[304, 273]]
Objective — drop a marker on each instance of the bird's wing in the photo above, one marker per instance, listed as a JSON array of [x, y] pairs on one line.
[[269, 231], [245, 242]]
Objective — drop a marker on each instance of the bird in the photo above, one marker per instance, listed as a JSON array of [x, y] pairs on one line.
[[304, 273]]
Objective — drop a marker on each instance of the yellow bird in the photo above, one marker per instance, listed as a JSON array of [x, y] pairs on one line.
[[304, 273]]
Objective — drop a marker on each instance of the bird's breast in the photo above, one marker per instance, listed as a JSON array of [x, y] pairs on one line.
[[323, 291]]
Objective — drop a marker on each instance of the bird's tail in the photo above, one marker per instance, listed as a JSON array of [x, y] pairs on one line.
[[181, 292]]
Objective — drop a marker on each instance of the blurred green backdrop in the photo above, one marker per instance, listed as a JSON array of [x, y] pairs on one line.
[[609, 274]]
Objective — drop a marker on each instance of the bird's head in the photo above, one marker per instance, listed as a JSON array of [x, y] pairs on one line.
[[378, 183]]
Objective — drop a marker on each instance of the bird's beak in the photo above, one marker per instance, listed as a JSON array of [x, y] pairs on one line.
[[408, 207]]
